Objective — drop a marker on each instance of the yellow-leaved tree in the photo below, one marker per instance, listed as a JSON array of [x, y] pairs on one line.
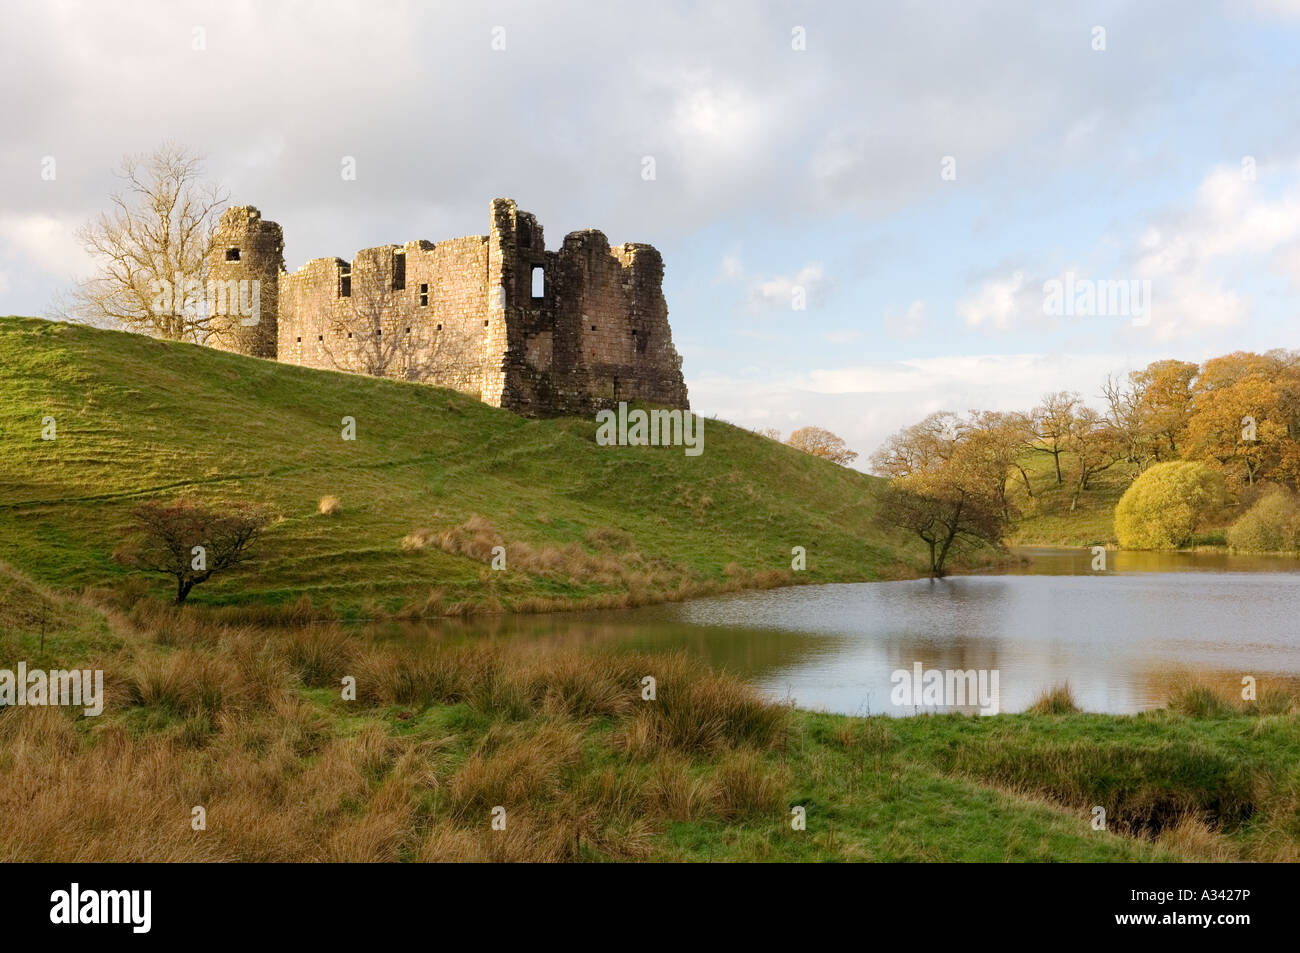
[[1272, 525], [1164, 506], [821, 443]]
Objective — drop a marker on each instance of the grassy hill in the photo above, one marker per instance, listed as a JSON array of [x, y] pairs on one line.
[[249, 721], [137, 418], [1052, 517], [1047, 518]]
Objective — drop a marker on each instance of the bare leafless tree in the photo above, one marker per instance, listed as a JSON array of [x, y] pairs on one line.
[[191, 541], [160, 227], [377, 329], [1124, 415]]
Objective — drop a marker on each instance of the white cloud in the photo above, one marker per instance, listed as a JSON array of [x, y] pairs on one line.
[[1000, 302], [1227, 218], [1183, 251], [48, 241], [716, 115], [743, 127], [780, 291]]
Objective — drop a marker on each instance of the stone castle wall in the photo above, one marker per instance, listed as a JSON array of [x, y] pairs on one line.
[[247, 249], [462, 313]]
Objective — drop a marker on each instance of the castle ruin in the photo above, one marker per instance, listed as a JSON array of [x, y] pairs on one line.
[[538, 332]]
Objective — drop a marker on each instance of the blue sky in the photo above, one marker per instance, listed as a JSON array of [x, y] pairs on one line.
[[776, 168]]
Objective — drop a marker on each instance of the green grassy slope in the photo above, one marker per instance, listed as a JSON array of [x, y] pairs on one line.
[[1047, 520], [139, 418]]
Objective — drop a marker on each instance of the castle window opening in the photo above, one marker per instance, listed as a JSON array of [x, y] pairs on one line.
[[424, 296], [440, 327], [232, 254], [320, 337], [345, 283], [408, 330], [485, 324], [399, 271], [539, 281], [299, 340]]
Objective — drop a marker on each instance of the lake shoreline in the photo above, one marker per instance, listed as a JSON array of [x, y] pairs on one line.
[[438, 733]]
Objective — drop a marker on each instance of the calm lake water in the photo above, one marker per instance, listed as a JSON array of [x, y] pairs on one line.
[[1121, 638]]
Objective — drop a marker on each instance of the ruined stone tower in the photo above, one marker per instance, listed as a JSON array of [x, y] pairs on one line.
[[247, 250], [534, 331]]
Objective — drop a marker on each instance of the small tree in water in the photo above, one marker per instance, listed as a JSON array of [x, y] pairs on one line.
[[192, 541], [947, 484]]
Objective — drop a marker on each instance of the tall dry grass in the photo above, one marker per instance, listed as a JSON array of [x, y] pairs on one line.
[[606, 558], [1196, 698], [1057, 700], [248, 722]]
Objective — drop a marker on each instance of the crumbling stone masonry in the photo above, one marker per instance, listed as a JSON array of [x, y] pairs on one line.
[[249, 250], [538, 332]]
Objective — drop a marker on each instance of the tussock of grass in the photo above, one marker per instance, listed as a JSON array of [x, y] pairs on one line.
[[1191, 836], [676, 792], [417, 540], [515, 765], [188, 682], [1057, 700], [700, 711], [1197, 699], [475, 538], [746, 788]]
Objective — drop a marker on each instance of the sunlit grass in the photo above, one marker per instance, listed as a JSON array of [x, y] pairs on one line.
[[138, 418]]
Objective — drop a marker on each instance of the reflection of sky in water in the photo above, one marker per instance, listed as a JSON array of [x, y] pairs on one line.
[[1122, 639]]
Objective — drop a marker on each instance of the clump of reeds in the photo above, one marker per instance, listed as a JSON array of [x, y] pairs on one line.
[[1057, 700]]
